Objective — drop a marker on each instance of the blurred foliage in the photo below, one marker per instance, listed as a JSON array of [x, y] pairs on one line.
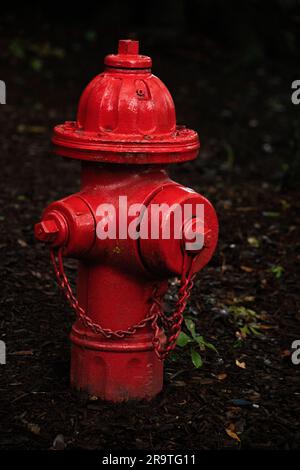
[[253, 28], [32, 53], [247, 322]]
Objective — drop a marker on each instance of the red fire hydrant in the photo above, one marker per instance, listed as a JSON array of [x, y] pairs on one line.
[[125, 136]]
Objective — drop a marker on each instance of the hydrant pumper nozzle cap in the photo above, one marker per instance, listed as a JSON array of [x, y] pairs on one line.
[[126, 115]]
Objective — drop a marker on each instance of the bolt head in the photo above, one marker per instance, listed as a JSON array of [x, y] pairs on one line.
[[46, 231]]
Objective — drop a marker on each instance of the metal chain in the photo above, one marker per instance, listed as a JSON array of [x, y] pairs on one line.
[[172, 324], [156, 317]]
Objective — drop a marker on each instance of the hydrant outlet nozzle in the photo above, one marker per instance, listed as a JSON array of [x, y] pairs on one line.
[[52, 229]]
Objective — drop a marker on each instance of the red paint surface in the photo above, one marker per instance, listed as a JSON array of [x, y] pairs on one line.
[[117, 277], [126, 115]]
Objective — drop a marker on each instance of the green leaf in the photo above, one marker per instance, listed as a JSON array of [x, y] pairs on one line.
[[90, 35], [277, 271], [244, 330], [196, 358], [230, 155], [173, 356], [204, 344], [255, 330], [271, 214], [189, 323], [183, 339], [254, 242], [36, 64], [210, 346], [17, 49], [243, 312], [200, 340]]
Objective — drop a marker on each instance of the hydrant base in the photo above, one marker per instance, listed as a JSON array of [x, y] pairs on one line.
[[116, 373]]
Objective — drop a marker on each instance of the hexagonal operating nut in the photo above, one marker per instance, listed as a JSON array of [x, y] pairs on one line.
[[46, 231], [128, 46]]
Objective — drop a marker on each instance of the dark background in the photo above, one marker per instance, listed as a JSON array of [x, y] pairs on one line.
[[229, 67]]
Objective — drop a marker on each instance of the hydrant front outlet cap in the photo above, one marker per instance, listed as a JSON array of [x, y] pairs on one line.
[[126, 115]]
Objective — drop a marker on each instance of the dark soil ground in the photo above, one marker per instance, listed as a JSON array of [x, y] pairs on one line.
[[247, 395]]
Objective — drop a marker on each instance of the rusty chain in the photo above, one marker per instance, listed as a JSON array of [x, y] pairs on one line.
[[160, 322]]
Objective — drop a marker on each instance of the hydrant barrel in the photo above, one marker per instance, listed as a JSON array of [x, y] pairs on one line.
[[130, 226]]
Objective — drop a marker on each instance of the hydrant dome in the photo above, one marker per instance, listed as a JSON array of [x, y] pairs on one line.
[[130, 108], [126, 115]]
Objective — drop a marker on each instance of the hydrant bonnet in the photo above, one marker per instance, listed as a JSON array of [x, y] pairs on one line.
[[126, 115]]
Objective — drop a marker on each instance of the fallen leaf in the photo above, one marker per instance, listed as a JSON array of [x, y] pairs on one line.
[[271, 214], [240, 335], [242, 365], [36, 274], [59, 442], [202, 381], [221, 376], [34, 428], [22, 353], [254, 242], [28, 129], [179, 383], [22, 243], [247, 269], [232, 434], [267, 327]]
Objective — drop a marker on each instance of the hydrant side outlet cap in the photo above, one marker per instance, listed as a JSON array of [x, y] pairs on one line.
[[126, 115]]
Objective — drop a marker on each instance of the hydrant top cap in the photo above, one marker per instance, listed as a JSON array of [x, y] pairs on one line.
[[126, 115], [128, 56]]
